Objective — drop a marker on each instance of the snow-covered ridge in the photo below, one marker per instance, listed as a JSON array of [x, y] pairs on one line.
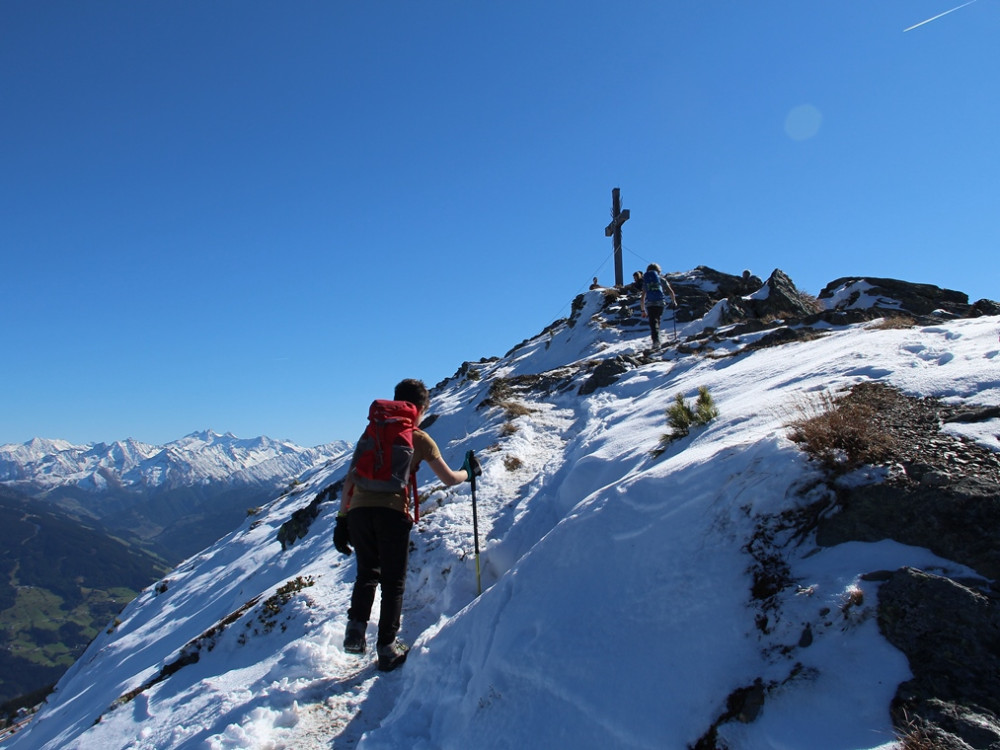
[[196, 459], [617, 608]]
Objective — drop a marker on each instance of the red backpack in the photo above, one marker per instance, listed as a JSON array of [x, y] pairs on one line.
[[384, 454]]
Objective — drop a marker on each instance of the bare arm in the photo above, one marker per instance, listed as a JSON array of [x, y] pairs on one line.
[[445, 474], [673, 297], [346, 491]]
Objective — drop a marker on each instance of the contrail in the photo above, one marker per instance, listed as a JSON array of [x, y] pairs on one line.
[[917, 25]]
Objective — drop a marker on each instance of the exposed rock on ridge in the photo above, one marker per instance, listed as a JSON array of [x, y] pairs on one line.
[[944, 495]]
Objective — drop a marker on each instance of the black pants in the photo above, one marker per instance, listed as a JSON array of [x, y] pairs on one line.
[[654, 313], [381, 539]]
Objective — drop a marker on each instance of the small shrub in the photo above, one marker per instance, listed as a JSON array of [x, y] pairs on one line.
[[681, 417], [508, 429], [841, 433], [705, 409]]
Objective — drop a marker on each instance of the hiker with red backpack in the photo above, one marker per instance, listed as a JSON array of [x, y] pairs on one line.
[[375, 513]]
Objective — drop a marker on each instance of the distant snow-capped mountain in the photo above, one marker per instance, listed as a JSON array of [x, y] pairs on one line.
[[197, 459]]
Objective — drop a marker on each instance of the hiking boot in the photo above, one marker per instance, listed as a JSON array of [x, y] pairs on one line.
[[392, 655], [354, 637]]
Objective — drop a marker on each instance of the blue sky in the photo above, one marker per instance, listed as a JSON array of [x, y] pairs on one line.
[[256, 217]]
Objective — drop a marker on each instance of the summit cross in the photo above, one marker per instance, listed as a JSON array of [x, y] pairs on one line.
[[614, 229]]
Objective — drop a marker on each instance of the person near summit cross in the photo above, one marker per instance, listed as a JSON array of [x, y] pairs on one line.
[[654, 298], [378, 525]]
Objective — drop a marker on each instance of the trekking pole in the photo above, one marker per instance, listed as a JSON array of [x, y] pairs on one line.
[[475, 532], [674, 318]]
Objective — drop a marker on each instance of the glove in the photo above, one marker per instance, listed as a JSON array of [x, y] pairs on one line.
[[342, 536], [472, 465]]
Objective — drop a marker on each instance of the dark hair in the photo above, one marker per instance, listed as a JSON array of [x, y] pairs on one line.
[[413, 391]]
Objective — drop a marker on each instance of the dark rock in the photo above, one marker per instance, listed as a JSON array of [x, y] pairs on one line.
[[745, 704], [698, 291], [957, 518], [503, 390], [951, 637], [844, 317], [429, 420], [806, 639], [782, 299], [785, 335], [898, 296], [297, 526], [972, 414], [608, 372], [984, 307]]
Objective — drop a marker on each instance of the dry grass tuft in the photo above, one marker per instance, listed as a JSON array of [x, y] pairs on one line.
[[512, 463], [841, 433], [890, 322], [916, 736], [514, 409]]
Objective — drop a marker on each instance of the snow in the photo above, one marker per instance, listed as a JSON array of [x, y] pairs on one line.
[[196, 459], [616, 609]]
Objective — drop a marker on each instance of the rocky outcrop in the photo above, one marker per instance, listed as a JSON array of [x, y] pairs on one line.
[[777, 298], [863, 292], [608, 371], [958, 519], [752, 305], [943, 494], [698, 291], [951, 635], [984, 307]]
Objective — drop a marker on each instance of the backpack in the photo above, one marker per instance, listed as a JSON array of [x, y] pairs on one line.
[[384, 454], [654, 288]]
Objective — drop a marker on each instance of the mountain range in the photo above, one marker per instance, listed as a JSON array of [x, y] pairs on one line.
[[622, 575], [200, 458], [176, 498]]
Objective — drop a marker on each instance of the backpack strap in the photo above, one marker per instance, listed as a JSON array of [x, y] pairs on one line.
[[416, 498]]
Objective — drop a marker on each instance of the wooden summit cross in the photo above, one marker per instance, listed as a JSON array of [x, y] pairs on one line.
[[618, 217]]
